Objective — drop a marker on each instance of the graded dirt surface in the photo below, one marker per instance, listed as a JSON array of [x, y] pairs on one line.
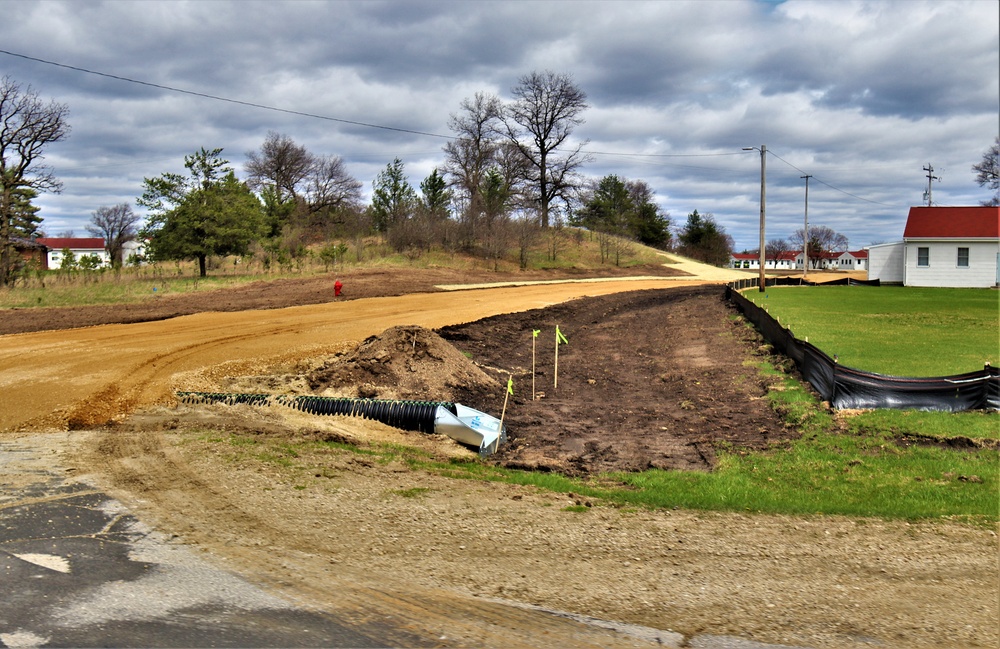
[[654, 374]]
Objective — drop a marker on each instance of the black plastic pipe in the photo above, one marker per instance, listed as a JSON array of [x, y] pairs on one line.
[[406, 415]]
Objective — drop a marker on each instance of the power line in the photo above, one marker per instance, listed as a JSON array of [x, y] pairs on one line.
[[225, 99], [250, 104], [396, 129], [823, 182]]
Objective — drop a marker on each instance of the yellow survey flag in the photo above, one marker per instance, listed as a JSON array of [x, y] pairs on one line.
[[535, 332], [510, 385], [560, 338]]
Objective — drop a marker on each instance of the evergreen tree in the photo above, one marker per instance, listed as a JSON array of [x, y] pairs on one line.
[[393, 198], [24, 219], [703, 239], [435, 196], [208, 213]]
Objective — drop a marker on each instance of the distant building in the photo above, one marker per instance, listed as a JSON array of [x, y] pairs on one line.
[[793, 260], [79, 246], [942, 246], [30, 252]]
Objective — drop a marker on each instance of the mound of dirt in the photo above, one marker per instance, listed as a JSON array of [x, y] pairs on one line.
[[407, 362]]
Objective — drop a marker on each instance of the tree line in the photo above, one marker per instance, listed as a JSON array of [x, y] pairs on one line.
[[510, 176], [507, 177]]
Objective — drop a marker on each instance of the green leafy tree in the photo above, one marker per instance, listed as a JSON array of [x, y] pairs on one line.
[[68, 260], [393, 198], [649, 225], [618, 210], [89, 263], [496, 232], [703, 239], [209, 212], [609, 212]]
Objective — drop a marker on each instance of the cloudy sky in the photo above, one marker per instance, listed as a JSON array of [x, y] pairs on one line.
[[860, 95]]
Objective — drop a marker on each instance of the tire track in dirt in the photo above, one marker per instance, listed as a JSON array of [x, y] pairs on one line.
[[88, 376]]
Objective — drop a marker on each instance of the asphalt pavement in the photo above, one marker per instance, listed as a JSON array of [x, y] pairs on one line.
[[77, 569]]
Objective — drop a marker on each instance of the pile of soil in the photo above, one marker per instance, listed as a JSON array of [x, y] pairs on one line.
[[406, 362]]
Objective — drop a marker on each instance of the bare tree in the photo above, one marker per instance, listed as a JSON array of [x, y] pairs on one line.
[[473, 151], [526, 233], [27, 126], [822, 239], [280, 164], [988, 173], [329, 185], [776, 247], [543, 114], [117, 226]]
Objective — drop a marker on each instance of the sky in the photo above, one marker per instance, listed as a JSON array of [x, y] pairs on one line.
[[859, 95]]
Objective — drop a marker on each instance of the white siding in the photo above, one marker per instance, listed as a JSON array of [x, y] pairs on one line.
[[885, 262], [943, 269], [55, 255]]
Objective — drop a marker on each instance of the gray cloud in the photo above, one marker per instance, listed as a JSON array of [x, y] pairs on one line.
[[859, 94]]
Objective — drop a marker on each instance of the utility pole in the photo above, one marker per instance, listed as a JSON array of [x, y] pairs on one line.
[[763, 189], [805, 232], [930, 177]]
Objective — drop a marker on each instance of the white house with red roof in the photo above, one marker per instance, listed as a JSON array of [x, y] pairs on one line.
[[79, 246], [942, 246], [792, 260], [851, 260]]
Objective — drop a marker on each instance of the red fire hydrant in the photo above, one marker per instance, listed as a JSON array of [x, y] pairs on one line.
[[336, 288]]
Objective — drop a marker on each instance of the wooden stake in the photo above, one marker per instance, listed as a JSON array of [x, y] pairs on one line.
[[503, 412], [555, 373], [534, 334]]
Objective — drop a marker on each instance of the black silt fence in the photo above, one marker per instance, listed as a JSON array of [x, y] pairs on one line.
[[846, 387], [405, 415], [741, 284]]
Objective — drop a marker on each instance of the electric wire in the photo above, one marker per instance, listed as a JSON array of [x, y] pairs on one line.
[[649, 156]]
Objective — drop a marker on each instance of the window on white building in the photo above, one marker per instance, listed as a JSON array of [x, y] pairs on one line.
[[963, 257], [923, 256]]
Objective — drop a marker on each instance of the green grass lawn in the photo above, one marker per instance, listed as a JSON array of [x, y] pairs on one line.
[[849, 466], [902, 331]]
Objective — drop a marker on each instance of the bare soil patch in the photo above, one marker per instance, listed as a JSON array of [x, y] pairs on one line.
[[648, 379], [276, 294]]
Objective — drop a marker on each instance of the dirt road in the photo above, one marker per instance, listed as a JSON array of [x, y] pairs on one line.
[[456, 561], [85, 377]]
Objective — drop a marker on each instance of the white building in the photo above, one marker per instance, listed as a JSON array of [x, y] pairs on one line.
[[79, 246], [942, 246]]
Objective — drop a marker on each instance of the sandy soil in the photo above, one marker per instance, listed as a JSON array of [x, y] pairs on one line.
[[364, 539]]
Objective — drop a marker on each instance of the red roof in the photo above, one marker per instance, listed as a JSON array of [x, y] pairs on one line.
[[953, 223], [76, 243], [788, 255]]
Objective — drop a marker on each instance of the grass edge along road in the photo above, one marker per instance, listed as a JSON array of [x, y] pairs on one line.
[[856, 469]]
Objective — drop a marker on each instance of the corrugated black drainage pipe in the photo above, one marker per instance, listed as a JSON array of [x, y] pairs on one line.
[[406, 415]]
